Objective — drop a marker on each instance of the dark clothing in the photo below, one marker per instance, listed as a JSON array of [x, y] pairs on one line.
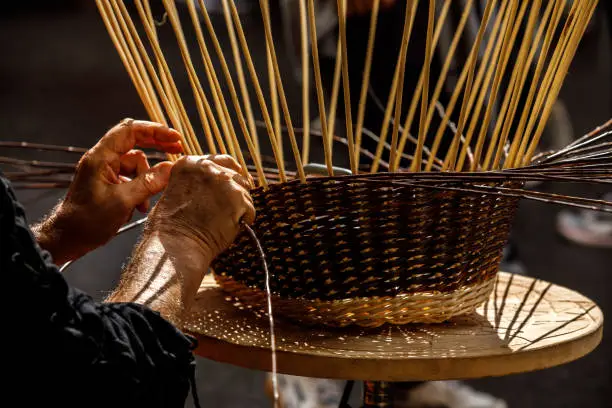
[[62, 349]]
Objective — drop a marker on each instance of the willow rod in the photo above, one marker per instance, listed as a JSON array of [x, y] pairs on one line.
[[133, 36], [496, 72], [274, 141], [319, 88], [468, 87], [498, 25], [365, 82], [408, 23], [509, 40], [246, 99], [203, 106], [419, 88], [553, 65], [305, 82], [346, 86], [387, 119], [550, 31], [522, 70], [172, 90], [333, 100], [279, 83], [209, 69], [559, 78], [128, 63], [418, 155]]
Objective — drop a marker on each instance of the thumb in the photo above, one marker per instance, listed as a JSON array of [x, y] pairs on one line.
[[147, 184]]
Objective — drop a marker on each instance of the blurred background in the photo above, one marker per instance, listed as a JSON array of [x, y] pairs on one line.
[[61, 82]]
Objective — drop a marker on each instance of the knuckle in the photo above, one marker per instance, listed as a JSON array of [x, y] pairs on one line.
[[181, 164], [126, 122], [138, 154], [87, 161]]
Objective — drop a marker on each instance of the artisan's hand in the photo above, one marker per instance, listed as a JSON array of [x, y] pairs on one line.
[[111, 180], [206, 199], [364, 6], [198, 216]]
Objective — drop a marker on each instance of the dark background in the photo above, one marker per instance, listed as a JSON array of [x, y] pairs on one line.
[[62, 82]]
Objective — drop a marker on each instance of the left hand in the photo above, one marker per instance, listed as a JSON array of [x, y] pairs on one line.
[[111, 180]]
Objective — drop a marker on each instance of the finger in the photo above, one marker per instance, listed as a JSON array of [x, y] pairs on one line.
[[249, 211], [145, 185], [133, 162], [143, 207], [241, 181], [131, 133]]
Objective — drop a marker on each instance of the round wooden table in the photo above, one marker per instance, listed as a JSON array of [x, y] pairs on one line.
[[527, 324]]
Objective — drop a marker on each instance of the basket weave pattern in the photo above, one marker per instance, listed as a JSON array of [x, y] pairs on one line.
[[337, 248]]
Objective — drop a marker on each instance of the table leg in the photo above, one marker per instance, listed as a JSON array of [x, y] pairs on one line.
[[377, 394], [384, 394]]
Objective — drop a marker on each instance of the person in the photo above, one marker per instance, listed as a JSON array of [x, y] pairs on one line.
[[61, 348]]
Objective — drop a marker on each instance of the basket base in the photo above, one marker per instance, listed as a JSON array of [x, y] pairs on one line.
[[433, 307]]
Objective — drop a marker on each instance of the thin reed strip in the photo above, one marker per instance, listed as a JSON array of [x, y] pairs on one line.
[[276, 116], [279, 83], [125, 56], [274, 140], [346, 86], [319, 88], [218, 99], [418, 155], [246, 100], [305, 82], [486, 74], [159, 87], [365, 82], [550, 30], [386, 120], [335, 91], [522, 71], [498, 27], [559, 78], [411, 8], [171, 89], [472, 60], [419, 88], [509, 38], [232, 89], [546, 84], [203, 106], [160, 68]]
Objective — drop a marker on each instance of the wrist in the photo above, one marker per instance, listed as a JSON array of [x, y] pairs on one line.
[[181, 248], [50, 235]]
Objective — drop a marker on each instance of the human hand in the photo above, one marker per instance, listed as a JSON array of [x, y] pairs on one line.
[[206, 199], [103, 195]]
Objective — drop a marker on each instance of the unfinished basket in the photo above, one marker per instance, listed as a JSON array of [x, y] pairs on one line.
[[366, 252]]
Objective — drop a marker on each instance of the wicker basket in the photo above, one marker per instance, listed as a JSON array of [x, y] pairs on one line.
[[366, 251]]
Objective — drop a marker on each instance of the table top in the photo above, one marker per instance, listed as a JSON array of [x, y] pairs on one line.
[[527, 324]]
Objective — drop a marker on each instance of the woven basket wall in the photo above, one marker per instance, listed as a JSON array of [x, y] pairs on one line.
[[366, 252]]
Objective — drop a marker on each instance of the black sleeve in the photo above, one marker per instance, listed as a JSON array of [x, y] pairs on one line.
[[68, 350]]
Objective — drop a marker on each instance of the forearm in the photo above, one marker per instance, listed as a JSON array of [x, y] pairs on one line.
[[164, 274]]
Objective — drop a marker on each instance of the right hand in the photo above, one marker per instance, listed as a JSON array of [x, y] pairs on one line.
[[206, 199]]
